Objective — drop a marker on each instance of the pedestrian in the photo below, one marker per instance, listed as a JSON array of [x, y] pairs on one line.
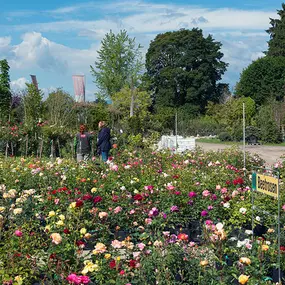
[[103, 141], [82, 144]]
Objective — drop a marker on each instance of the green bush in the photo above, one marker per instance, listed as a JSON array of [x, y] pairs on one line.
[[225, 137]]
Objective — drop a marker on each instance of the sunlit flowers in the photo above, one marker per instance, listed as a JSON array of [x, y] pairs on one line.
[[243, 279], [99, 248], [89, 267], [245, 260]]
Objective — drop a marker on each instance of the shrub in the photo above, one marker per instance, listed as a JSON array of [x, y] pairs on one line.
[[225, 137]]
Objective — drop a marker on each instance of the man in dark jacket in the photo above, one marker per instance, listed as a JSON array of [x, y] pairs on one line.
[[82, 144], [103, 142]]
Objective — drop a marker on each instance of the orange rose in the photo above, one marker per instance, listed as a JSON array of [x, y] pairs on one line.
[[245, 260], [204, 262], [265, 247]]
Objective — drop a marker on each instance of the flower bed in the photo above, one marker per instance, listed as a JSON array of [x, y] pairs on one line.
[[143, 218]]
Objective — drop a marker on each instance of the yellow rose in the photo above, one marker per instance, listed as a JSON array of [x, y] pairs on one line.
[[60, 223], [2, 209], [93, 190], [83, 231], [265, 247], [243, 279], [245, 260], [270, 231], [107, 256], [51, 213], [19, 280], [204, 262], [62, 217], [56, 238], [72, 205], [47, 227], [17, 211], [118, 258]]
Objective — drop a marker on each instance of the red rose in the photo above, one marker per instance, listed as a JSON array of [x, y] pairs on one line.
[[115, 198], [138, 197], [79, 203], [133, 263], [80, 243], [87, 197], [97, 199], [66, 231], [112, 264]]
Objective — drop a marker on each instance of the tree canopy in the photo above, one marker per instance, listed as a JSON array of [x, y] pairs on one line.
[[263, 80], [118, 64], [184, 67], [5, 93], [276, 44]]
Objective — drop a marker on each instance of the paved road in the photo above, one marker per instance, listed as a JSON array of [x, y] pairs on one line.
[[270, 154]]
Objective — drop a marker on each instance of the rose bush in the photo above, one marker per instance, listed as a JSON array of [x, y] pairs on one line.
[[143, 217]]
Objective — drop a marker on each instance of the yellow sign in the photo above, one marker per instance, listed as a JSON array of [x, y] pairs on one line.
[[267, 185]]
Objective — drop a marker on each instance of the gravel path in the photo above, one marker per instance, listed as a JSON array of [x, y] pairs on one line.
[[270, 154]]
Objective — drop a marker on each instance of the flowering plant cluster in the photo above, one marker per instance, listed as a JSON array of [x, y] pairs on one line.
[[141, 218]]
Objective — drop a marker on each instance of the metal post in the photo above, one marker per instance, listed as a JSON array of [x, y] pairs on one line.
[[176, 127], [279, 252], [243, 112]]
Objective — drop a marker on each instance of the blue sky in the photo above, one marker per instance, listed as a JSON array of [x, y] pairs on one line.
[[55, 39]]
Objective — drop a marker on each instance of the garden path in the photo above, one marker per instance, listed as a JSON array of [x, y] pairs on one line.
[[270, 154]]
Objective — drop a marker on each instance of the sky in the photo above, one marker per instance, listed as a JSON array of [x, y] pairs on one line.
[[55, 39]]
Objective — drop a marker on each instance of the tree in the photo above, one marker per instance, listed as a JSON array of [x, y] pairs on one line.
[[5, 93], [184, 68], [59, 107], [269, 131], [119, 64], [141, 101], [276, 44], [32, 105], [263, 80]]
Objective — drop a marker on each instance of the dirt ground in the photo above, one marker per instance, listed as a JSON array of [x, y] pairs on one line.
[[270, 154]]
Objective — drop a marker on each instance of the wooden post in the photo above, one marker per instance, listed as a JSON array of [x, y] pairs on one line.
[[6, 150], [27, 144]]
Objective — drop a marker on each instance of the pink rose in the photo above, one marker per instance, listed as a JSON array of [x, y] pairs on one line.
[[18, 233], [118, 210], [206, 193]]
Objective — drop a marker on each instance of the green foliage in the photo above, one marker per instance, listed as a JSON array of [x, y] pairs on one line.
[[5, 93], [269, 131], [276, 31], [119, 63], [184, 68], [59, 109], [33, 105], [263, 80], [225, 137]]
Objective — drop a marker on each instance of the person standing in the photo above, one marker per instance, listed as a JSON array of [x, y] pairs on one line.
[[82, 144], [103, 142]]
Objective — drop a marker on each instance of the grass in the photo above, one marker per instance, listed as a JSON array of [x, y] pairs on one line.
[[218, 141]]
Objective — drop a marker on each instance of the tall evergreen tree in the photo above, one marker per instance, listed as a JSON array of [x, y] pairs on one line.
[[276, 44], [5, 93]]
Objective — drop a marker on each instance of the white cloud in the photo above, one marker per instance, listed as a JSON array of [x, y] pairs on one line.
[[37, 51], [19, 84]]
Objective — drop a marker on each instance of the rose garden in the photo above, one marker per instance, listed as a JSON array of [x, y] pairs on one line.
[[143, 218]]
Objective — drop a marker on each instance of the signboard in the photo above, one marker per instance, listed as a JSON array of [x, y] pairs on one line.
[[79, 88], [265, 184], [34, 80]]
